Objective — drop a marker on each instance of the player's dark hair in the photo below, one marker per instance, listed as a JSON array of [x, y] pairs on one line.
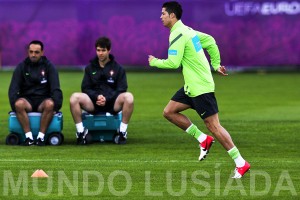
[[38, 43], [103, 42], [173, 7]]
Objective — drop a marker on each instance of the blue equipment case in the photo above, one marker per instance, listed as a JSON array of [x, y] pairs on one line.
[[53, 136], [102, 127]]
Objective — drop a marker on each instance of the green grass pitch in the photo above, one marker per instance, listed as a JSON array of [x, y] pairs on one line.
[[261, 112]]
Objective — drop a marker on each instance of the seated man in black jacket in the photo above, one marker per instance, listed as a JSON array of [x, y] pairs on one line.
[[103, 87], [35, 87]]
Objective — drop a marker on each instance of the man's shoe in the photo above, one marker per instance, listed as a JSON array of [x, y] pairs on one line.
[[28, 142], [81, 136], [40, 142], [122, 137], [205, 146], [240, 171]]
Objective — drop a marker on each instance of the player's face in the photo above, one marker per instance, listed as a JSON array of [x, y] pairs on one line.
[[102, 54], [35, 52], [165, 18]]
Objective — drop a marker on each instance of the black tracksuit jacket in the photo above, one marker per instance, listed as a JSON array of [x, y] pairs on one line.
[[109, 81], [35, 80]]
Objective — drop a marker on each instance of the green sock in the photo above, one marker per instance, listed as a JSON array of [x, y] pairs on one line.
[[234, 153], [194, 131]]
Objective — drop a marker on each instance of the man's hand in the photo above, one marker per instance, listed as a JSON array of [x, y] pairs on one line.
[[222, 70], [150, 57], [101, 100]]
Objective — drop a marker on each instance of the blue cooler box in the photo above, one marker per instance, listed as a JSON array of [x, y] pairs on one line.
[[53, 135], [102, 127]]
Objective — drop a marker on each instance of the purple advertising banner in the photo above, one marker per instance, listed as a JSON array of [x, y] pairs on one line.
[[248, 33]]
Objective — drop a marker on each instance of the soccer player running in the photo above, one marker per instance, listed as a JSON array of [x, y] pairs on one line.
[[186, 50]]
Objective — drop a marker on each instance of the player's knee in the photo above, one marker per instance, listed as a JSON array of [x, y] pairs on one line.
[[167, 113], [74, 98], [128, 98], [20, 104], [49, 104]]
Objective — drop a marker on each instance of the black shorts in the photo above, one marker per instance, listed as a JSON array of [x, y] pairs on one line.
[[205, 104], [109, 107], [35, 102]]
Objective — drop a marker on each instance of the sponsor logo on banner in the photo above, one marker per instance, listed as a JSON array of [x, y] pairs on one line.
[[244, 8]]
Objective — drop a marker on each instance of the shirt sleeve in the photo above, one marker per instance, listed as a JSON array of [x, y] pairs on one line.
[[14, 88], [121, 86], [175, 53], [122, 81], [87, 86], [209, 44], [56, 93]]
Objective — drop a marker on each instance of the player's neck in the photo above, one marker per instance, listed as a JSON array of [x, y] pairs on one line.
[[172, 24], [103, 63]]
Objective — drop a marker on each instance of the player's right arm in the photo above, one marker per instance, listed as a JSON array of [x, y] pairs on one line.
[[175, 53], [14, 87], [87, 85]]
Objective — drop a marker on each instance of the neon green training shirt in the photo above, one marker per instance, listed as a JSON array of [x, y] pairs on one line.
[[186, 50]]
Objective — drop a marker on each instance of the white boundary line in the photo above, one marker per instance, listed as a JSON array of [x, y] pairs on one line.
[[128, 161], [90, 160]]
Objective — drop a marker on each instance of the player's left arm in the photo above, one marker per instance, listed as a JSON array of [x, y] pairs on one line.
[[209, 44], [121, 85], [55, 91]]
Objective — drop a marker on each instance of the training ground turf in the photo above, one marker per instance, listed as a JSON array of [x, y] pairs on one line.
[[159, 161]]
